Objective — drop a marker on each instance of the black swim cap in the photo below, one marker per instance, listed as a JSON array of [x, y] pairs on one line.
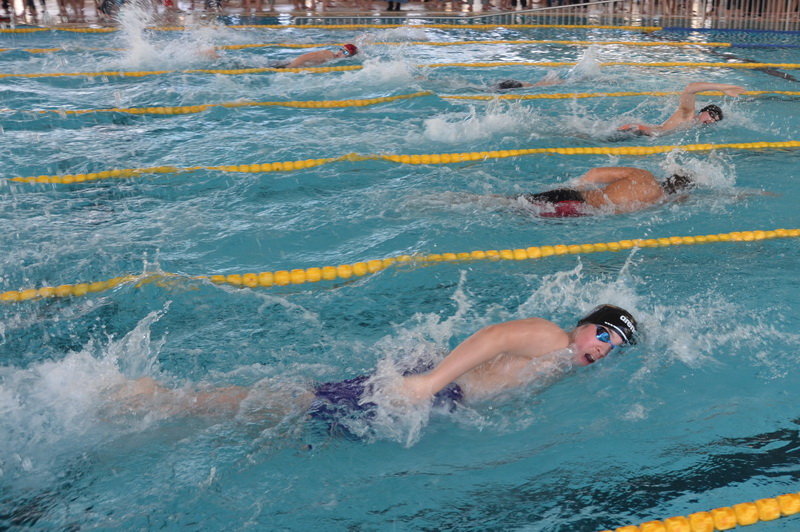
[[713, 111], [508, 84], [618, 320], [676, 182]]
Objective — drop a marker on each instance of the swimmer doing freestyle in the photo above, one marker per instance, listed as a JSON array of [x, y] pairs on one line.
[[494, 359], [611, 189], [684, 117], [319, 57]]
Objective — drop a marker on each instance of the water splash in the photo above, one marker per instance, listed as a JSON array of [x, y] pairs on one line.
[[133, 19], [588, 66], [59, 404], [498, 118], [144, 50]]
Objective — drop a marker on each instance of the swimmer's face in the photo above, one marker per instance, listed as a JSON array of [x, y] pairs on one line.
[[706, 118], [589, 347]]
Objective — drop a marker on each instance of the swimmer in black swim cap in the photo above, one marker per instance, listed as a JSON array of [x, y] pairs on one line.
[[608, 190], [496, 358], [684, 117], [615, 319], [508, 84]]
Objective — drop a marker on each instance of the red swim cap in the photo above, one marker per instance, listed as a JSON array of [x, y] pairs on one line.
[[349, 50]]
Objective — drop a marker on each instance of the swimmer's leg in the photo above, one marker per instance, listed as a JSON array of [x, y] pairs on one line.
[[145, 395]]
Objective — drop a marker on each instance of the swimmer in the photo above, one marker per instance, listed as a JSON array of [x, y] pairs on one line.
[[494, 359], [508, 84], [614, 189], [684, 117], [321, 56]]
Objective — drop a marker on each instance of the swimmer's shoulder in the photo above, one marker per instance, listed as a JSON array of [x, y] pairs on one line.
[[540, 335]]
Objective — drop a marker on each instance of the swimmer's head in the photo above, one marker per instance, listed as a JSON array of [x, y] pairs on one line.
[[616, 319], [508, 84], [349, 50], [710, 114], [677, 183]]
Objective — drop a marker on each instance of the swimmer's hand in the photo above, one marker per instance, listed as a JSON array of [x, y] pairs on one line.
[[733, 90], [641, 128], [414, 389]]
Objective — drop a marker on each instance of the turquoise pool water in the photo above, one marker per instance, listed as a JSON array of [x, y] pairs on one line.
[[701, 414]]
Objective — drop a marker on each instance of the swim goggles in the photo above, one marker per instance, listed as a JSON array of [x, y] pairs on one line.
[[345, 51], [604, 336]]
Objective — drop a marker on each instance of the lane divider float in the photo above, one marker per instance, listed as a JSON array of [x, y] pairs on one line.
[[261, 70], [725, 518], [402, 43], [657, 64], [579, 95], [443, 158], [360, 269], [143, 73], [336, 104], [189, 109]]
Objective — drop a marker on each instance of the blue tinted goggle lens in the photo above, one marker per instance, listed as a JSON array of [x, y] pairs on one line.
[[604, 336], [345, 52]]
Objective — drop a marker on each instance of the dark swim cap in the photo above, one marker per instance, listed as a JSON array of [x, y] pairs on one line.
[[618, 320], [676, 183], [508, 84], [713, 111]]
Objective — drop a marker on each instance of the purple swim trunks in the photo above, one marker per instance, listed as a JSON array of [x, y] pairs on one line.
[[342, 398]]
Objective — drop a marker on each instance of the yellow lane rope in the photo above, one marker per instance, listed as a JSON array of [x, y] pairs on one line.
[[337, 104], [407, 43], [578, 95], [139, 74], [342, 26], [658, 64], [443, 158], [52, 50], [189, 109], [360, 269], [725, 518], [551, 64]]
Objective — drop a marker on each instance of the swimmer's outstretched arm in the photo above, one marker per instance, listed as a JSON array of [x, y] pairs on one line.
[[526, 338], [312, 59], [689, 94], [686, 107], [606, 175]]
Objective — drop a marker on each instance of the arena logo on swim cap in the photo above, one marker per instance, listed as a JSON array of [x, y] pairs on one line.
[[616, 318], [629, 323]]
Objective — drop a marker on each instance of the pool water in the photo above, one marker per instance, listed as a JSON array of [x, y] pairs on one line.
[[701, 414]]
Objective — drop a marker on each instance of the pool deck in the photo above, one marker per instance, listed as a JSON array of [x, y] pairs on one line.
[[193, 10]]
